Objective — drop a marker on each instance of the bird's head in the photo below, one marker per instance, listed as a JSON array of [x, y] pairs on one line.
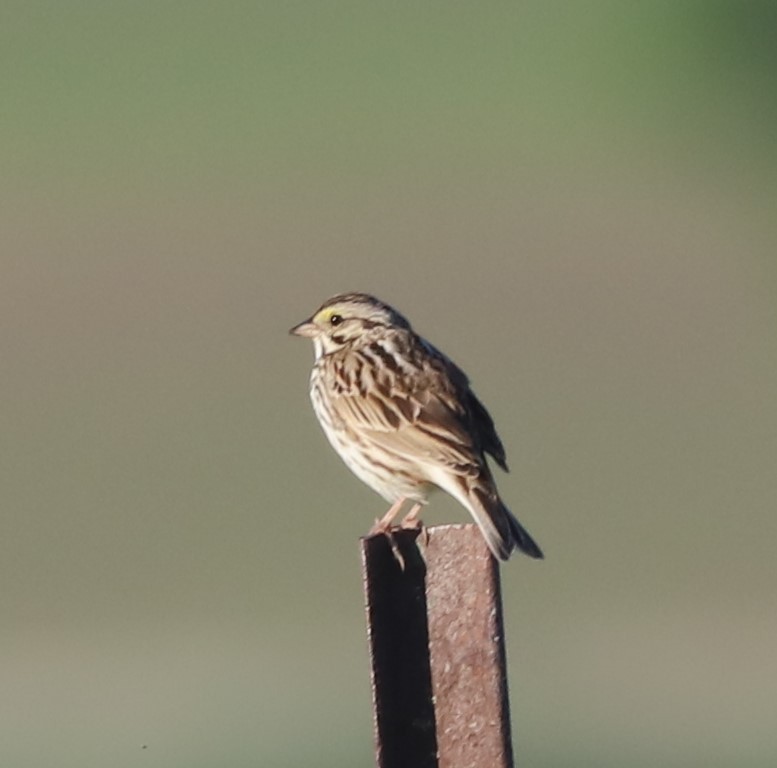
[[345, 319]]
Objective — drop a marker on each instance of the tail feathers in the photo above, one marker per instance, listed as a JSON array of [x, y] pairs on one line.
[[501, 530], [521, 537]]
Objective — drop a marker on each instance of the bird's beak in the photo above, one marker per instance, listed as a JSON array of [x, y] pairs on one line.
[[305, 328]]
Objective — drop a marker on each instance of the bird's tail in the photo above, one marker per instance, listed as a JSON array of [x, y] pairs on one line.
[[521, 538], [501, 529]]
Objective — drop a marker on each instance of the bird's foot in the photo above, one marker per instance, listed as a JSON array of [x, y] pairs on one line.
[[412, 522], [389, 534], [383, 527], [383, 524]]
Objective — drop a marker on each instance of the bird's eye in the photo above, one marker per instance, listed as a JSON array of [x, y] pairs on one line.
[[335, 319]]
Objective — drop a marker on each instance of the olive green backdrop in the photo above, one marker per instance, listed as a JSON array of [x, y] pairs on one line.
[[576, 201]]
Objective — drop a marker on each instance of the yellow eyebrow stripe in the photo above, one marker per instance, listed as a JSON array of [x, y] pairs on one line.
[[325, 314]]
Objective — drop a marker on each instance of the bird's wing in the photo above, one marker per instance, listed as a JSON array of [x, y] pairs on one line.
[[421, 426], [477, 418], [437, 420], [489, 439]]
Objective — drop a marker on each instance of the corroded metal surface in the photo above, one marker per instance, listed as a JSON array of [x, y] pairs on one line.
[[466, 643], [437, 651]]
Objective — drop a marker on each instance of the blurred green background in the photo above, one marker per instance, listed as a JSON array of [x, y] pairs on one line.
[[576, 201]]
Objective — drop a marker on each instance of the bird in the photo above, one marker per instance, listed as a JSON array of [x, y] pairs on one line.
[[404, 419]]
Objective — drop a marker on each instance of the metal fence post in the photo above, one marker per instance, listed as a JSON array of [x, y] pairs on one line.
[[437, 651]]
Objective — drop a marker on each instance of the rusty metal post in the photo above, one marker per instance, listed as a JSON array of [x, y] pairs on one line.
[[437, 651], [399, 651]]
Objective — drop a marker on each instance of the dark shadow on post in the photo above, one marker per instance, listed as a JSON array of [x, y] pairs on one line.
[[399, 647], [437, 651]]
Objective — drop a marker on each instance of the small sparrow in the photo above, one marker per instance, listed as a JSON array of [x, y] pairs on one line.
[[403, 417]]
